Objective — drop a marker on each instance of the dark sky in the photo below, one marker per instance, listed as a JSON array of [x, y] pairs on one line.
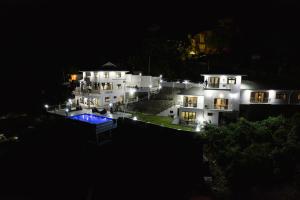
[[40, 37], [64, 32]]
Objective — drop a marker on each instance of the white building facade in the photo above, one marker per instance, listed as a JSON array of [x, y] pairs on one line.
[[222, 95], [203, 104], [108, 85]]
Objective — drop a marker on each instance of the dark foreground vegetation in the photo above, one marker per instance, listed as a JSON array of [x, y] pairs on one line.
[[53, 160], [255, 160]]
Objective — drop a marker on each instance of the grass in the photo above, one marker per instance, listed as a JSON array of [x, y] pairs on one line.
[[162, 121]]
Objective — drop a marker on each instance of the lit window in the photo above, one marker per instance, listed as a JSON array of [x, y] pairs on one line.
[[213, 82], [188, 116], [73, 77], [231, 81], [106, 86], [220, 103], [281, 95], [119, 74], [107, 99], [190, 101], [259, 97]]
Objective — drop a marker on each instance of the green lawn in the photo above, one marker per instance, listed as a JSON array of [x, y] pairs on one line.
[[159, 120]]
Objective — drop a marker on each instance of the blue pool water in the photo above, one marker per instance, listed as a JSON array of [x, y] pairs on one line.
[[90, 118]]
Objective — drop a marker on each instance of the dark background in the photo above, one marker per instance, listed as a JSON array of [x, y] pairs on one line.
[[41, 39]]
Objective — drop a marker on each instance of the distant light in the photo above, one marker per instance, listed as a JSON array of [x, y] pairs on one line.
[[198, 128], [177, 82], [160, 76], [131, 91], [67, 110], [192, 53], [221, 95], [185, 81], [159, 87], [46, 106], [140, 74], [110, 104], [150, 86], [16, 138], [70, 100], [134, 118]]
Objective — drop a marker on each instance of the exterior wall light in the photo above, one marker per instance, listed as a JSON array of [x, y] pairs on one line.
[[134, 118], [110, 104], [46, 106], [150, 86]]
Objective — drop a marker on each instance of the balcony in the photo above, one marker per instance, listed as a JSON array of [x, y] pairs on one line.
[[224, 107], [79, 91], [186, 104], [259, 100], [219, 86]]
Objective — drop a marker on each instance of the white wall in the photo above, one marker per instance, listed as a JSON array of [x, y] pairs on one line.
[[167, 111], [223, 81], [246, 95], [210, 95]]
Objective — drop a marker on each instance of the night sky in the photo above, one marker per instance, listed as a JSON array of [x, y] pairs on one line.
[[39, 38]]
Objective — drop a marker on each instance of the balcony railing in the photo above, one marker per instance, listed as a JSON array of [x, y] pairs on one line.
[[194, 105], [256, 100], [228, 107], [219, 86]]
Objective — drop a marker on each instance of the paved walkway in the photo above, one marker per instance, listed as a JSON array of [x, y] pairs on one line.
[[115, 115]]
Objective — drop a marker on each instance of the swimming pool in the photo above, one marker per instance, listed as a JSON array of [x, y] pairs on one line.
[[90, 118]]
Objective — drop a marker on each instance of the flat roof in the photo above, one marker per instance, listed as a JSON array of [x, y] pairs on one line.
[[106, 67], [215, 74]]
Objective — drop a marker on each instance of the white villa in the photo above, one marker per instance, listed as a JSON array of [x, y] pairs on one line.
[[108, 85], [221, 95]]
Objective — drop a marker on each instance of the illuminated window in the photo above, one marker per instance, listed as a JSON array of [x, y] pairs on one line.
[[213, 82], [106, 86], [202, 47], [231, 81], [220, 103], [190, 101], [106, 74], [281, 95], [73, 77], [107, 99], [259, 97], [188, 116], [119, 74]]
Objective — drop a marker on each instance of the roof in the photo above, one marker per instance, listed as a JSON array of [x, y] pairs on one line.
[[220, 74], [105, 67], [195, 91], [274, 85]]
